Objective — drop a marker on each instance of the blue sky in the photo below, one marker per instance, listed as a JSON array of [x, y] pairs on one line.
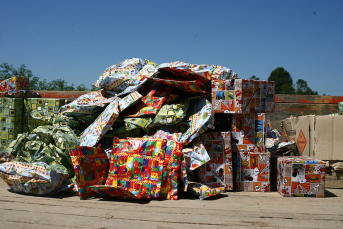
[[77, 40]]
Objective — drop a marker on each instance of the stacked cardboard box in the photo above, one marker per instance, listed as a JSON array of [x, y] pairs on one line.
[[301, 177], [248, 101], [218, 172]]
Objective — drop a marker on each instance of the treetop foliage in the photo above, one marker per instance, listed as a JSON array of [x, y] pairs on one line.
[[8, 71]]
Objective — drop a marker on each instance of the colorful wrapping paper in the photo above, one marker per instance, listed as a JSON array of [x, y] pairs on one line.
[[340, 107], [120, 76], [44, 106], [138, 164], [252, 174], [204, 191], [87, 103], [199, 118], [170, 114], [48, 144], [5, 157], [129, 100], [150, 104], [192, 159], [205, 72], [36, 178], [186, 86], [218, 172], [11, 120], [14, 84], [248, 133], [104, 122], [240, 96], [91, 167], [300, 177], [143, 168], [101, 125]]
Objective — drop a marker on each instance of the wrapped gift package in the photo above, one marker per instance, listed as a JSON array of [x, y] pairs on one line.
[[248, 132], [252, 172], [147, 127], [248, 145], [218, 172], [243, 96], [14, 84], [42, 105], [11, 119], [300, 177]]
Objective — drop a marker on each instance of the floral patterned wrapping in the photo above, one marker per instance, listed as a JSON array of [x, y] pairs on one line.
[[91, 167], [240, 96], [301, 177], [11, 120], [14, 84], [35, 178], [204, 191], [218, 172]]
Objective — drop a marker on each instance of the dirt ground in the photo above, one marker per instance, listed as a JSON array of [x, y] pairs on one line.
[[230, 210]]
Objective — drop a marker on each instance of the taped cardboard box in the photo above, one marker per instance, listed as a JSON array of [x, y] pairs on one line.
[[218, 172], [248, 145], [252, 173], [243, 96], [316, 136], [301, 177], [11, 119]]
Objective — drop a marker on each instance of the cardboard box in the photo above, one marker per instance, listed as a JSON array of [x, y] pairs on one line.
[[252, 173], [218, 172], [44, 105], [301, 177], [248, 146], [11, 120], [243, 96], [248, 132], [316, 136]]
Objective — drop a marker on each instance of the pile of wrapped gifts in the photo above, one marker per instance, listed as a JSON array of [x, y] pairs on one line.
[[150, 132]]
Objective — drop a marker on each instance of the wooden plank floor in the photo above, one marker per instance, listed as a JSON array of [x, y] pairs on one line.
[[231, 210]]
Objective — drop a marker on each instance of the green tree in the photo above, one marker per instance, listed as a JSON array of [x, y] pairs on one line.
[[9, 71], [254, 78], [301, 88], [283, 81]]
